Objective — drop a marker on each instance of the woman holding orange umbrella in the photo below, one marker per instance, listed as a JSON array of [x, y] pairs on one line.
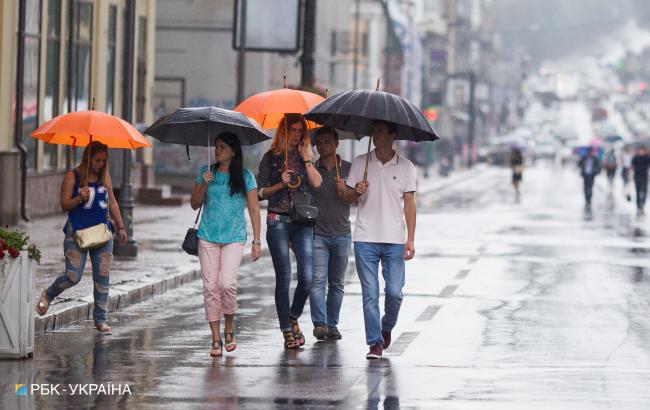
[[87, 197], [286, 170]]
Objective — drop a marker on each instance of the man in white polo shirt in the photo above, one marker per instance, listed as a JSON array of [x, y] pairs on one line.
[[384, 230]]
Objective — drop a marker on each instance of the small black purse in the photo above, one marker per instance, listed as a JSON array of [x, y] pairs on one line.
[[191, 241], [302, 212]]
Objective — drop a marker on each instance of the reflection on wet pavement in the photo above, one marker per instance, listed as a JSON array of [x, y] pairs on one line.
[[507, 305]]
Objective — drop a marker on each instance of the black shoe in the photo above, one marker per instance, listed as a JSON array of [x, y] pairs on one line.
[[320, 333], [333, 333]]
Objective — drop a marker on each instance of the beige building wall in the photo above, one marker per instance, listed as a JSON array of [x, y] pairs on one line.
[[7, 86], [43, 184]]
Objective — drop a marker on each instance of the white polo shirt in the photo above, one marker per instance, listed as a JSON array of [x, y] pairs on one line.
[[380, 213]]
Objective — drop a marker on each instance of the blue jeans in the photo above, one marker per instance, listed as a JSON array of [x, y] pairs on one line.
[[278, 236], [367, 256], [75, 262], [330, 263]]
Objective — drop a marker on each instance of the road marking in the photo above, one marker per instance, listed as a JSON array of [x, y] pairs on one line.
[[402, 343], [448, 291], [462, 274], [428, 313]]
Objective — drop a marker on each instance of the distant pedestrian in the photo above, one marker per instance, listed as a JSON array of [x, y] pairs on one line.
[[517, 167], [280, 177], [626, 167], [640, 164], [87, 196], [332, 240], [610, 164], [589, 168], [384, 231], [224, 190]]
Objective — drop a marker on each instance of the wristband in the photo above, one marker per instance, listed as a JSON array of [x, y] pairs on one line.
[[256, 242]]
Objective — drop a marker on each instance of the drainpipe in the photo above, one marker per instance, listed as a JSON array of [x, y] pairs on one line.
[[18, 126]]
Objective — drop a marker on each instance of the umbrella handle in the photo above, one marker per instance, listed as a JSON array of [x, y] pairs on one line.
[[296, 185], [336, 165], [286, 154], [286, 144], [365, 171], [88, 161]]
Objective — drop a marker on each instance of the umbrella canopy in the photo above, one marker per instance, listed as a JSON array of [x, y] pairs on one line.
[[355, 110], [582, 151], [80, 127], [269, 108], [196, 126], [611, 139]]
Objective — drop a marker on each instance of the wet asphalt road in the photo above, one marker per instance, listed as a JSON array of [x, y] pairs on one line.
[[508, 305]]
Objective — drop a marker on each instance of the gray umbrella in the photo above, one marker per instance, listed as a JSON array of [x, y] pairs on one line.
[[197, 126]]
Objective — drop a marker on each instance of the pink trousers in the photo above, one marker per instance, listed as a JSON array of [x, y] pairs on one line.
[[219, 266]]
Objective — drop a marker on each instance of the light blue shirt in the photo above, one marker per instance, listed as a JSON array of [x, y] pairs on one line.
[[223, 218]]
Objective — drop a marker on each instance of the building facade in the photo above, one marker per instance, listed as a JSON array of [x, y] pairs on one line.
[[59, 56]]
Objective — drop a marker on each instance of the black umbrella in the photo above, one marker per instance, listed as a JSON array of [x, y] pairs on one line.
[[196, 126], [355, 111]]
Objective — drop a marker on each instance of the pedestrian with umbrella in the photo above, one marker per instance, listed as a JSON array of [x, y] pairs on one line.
[[332, 237], [383, 183], [590, 166], [223, 190], [286, 177], [87, 196], [640, 167]]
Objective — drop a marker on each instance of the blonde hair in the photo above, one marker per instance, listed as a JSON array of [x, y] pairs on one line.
[[90, 151], [280, 139]]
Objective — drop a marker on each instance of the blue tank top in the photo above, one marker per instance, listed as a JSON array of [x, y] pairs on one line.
[[92, 212]]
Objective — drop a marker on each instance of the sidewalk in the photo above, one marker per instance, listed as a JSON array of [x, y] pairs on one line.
[[161, 264]]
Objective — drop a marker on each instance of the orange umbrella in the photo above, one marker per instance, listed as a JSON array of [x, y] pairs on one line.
[[80, 127], [270, 107]]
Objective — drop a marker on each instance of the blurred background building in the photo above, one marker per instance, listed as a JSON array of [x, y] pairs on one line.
[[443, 55], [424, 50]]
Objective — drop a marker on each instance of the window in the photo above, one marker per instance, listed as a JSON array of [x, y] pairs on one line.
[[81, 26], [78, 62], [52, 70], [140, 97], [30, 71], [110, 60]]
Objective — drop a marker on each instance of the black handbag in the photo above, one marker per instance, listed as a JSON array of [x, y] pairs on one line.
[[302, 212], [191, 241]]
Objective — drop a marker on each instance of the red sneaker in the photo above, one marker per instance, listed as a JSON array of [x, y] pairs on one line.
[[386, 335], [375, 352]]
